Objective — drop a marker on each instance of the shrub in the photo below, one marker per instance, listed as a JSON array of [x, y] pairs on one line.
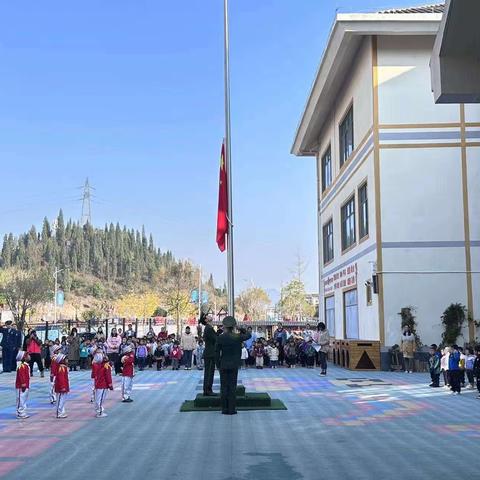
[[452, 319]]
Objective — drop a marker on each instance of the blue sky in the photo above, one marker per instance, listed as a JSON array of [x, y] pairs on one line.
[[130, 94]]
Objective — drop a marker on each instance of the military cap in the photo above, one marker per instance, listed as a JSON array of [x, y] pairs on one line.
[[229, 322]]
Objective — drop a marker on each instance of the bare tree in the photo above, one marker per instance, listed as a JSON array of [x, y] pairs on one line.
[[300, 266], [253, 302]]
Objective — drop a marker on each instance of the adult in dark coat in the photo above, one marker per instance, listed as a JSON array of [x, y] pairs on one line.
[[210, 339], [73, 355], [11, 341], [228, 353]]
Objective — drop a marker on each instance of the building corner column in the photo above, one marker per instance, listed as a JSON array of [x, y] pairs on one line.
[[377, 190], [466, 224]]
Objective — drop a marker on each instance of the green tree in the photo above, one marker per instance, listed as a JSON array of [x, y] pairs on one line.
[[24, 290], [293, 303]]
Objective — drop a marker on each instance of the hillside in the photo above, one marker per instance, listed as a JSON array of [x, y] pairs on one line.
[[98, 265]]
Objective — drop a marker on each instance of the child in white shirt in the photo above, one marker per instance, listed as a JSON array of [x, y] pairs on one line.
[[244, 356]]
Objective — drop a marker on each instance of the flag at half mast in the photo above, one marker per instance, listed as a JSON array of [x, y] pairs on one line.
[[222, 215]]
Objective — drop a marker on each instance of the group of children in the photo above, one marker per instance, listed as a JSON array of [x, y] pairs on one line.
[[270, 353], [459, 368], [148, 352], [166, 353], [59, 379]]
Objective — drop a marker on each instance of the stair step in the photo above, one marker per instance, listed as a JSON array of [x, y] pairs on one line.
[[246, 400]]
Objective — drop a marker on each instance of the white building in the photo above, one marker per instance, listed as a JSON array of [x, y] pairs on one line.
[[398, 180]]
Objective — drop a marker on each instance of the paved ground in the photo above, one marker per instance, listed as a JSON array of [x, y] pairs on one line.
[[345, 426]]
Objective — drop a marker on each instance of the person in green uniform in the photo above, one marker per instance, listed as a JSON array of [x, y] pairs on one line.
[[210, 339], [228, 352]]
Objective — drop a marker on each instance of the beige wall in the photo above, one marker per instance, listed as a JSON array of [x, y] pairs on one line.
[[423, 216], [405, 94]]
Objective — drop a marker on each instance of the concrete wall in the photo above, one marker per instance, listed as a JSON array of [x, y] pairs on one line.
[[422, 190], [405, 94], [357, 90], [422, 230]]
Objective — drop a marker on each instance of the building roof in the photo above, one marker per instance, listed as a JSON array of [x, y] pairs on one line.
[[347, 33], [433, 8]]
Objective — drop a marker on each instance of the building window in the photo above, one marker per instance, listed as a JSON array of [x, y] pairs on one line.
[[330, 314], [363, 211], [346, 137], [327, 169], [328, 242], [348, 224], [350, 302]]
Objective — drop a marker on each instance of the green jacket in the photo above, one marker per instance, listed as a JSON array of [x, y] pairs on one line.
[[228, 351], [210, 339]]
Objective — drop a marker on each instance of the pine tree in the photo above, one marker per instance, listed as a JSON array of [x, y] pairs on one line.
[[7, 251], [46, 230], [113, 253]]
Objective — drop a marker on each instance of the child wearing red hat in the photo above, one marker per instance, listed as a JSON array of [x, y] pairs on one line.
[[62, 386], [128, 373], [53, 372], [97, 362], [22, 384], [103, 382]]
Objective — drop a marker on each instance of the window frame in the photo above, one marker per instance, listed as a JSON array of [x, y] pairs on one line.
[[324, 238], [363, 235], [328, 151], [343, 218], [345, 306], [343, 156], [331, 328]]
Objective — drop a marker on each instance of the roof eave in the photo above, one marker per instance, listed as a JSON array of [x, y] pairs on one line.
[[344, 36]]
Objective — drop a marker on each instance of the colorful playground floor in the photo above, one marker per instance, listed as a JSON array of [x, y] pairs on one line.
[[348, 425]]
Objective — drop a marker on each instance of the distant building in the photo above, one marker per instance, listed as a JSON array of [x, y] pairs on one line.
[[312, 299], [398, 180]]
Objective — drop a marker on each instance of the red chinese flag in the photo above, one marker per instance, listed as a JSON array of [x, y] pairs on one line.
[[222, 219]]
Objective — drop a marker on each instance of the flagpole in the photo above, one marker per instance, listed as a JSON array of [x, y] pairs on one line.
[[228, 165]]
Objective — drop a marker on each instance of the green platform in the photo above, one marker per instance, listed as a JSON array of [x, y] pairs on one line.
[[245, 401]]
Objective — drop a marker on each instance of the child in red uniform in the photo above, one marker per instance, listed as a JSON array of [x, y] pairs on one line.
[[103, 382], [53, 371], [176, 355], [128, 373], [96, 364], [22, 384], [62, 386]]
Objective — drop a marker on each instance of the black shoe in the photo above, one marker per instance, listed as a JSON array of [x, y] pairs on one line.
[[210, 394]]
